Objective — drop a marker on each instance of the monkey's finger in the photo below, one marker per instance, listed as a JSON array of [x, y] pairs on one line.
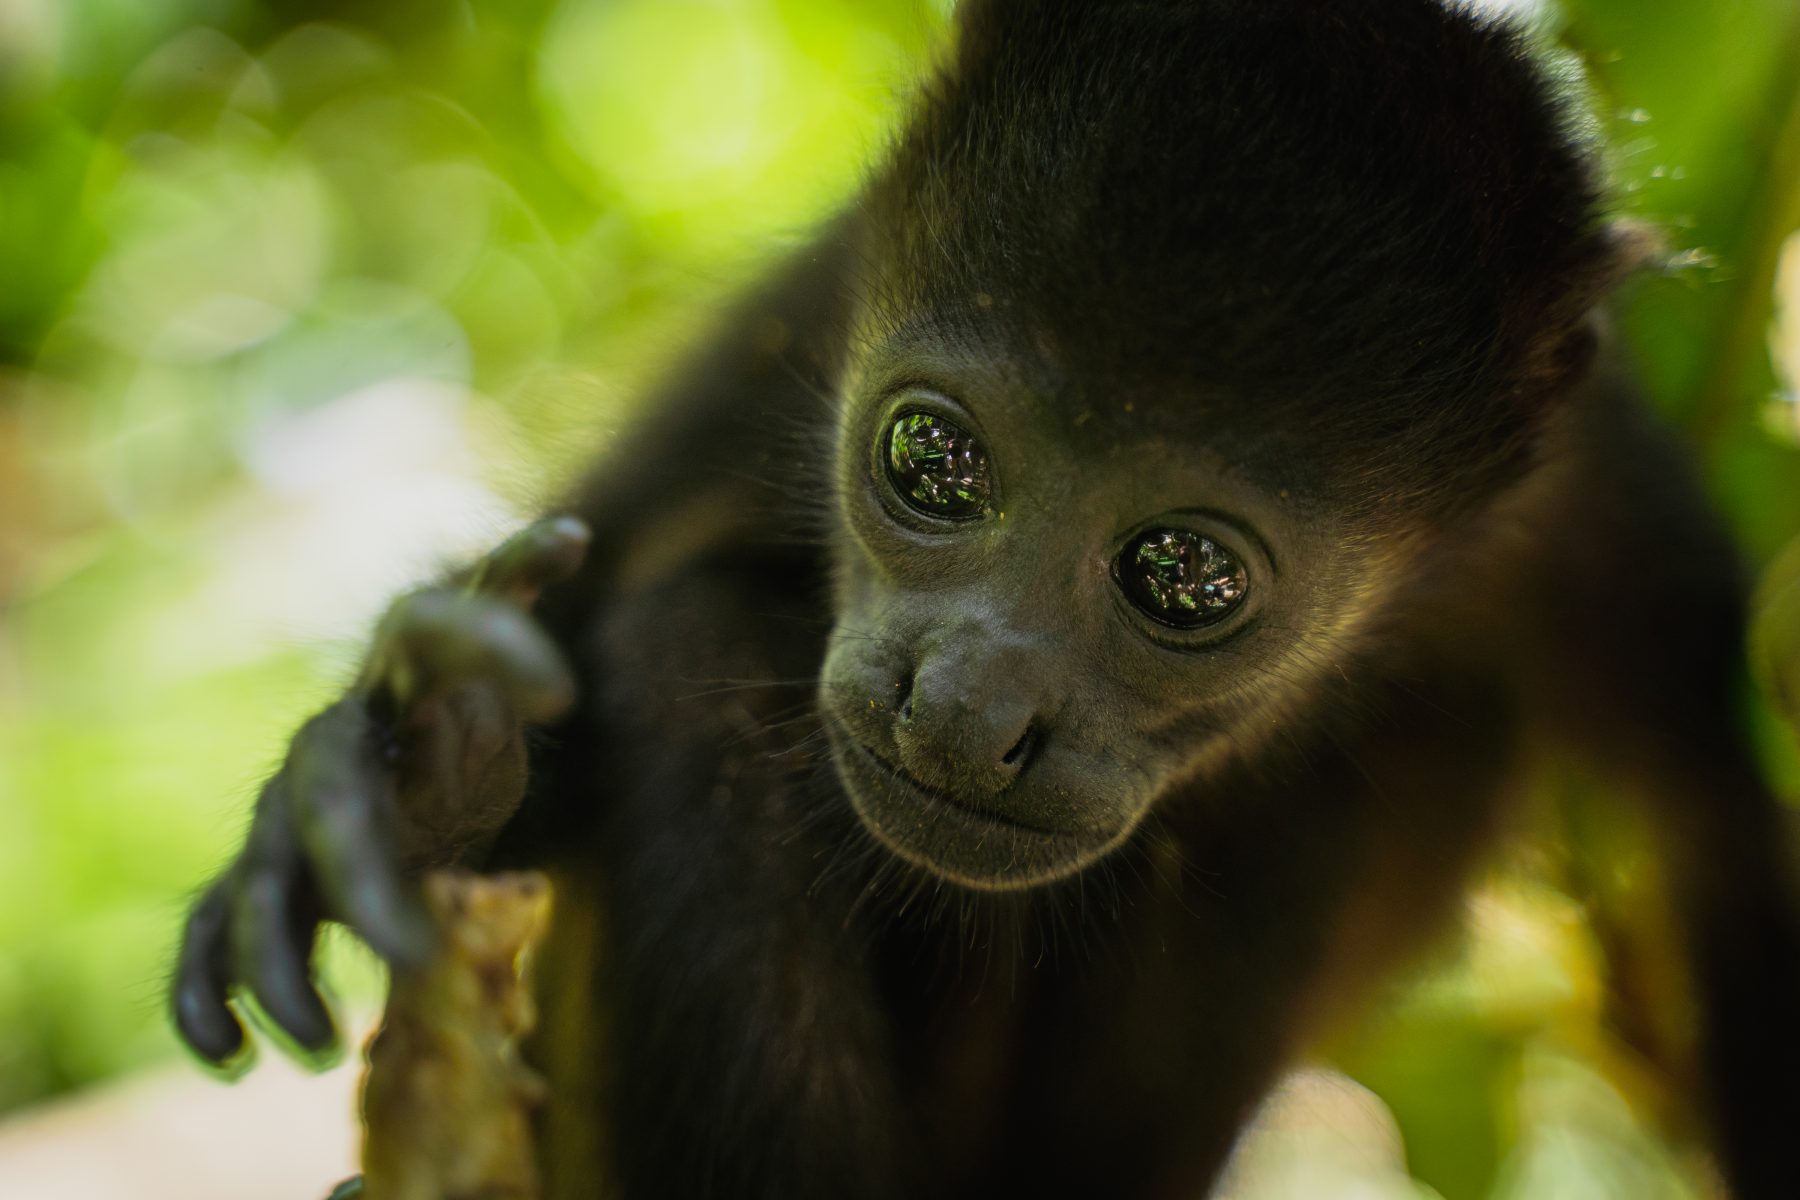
[[343, 805], [202, 978], [534, 558], [443, 640], [271, 931], [271, 945]]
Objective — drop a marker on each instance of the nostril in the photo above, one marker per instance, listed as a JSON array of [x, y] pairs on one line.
[[1021, 748]]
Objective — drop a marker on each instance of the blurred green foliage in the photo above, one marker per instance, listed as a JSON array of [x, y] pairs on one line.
[[299, 299]]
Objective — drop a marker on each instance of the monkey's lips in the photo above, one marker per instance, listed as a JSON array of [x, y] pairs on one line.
[[965, 843]]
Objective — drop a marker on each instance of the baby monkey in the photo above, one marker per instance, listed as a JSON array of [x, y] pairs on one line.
[[1065, 635]]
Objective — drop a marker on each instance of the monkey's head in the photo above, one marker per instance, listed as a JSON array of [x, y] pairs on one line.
[[1189, 333]]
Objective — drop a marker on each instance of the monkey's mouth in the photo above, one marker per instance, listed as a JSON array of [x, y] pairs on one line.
[[953, 839], [932, 797]]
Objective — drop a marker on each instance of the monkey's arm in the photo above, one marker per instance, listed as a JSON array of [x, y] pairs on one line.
[[710, 1026], [420, 764], [710, 1023], [425, 759]]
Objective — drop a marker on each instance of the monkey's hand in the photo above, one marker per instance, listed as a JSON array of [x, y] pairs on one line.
[[423, 761]]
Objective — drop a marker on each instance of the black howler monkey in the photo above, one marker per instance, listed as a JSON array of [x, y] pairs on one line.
[[1180, 483]]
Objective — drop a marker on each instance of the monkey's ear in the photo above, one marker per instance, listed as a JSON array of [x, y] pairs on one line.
[[1562, 356], [1613, 253], [1569, 329]]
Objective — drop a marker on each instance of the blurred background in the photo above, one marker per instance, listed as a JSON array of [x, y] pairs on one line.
[[301, 300]]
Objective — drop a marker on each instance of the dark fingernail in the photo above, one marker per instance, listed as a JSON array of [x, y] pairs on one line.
[[310, 1041], [568, 539], [303, 1018], [207, 1026], [569, 527]]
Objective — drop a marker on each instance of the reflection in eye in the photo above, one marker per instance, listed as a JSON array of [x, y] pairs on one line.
[[937, 467], [1181, 578]]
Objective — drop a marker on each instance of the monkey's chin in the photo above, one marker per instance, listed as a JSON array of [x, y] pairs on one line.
[[971, 847]]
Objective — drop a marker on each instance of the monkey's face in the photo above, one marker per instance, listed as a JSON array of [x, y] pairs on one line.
[[1049, 616]]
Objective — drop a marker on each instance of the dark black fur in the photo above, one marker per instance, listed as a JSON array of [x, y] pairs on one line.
[[1340, 258], [1259, 196]]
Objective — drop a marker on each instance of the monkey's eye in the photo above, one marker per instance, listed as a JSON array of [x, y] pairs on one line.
[[937, 467], [1180, 577]]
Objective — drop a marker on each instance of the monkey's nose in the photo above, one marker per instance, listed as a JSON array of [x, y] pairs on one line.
[[967, 741]]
